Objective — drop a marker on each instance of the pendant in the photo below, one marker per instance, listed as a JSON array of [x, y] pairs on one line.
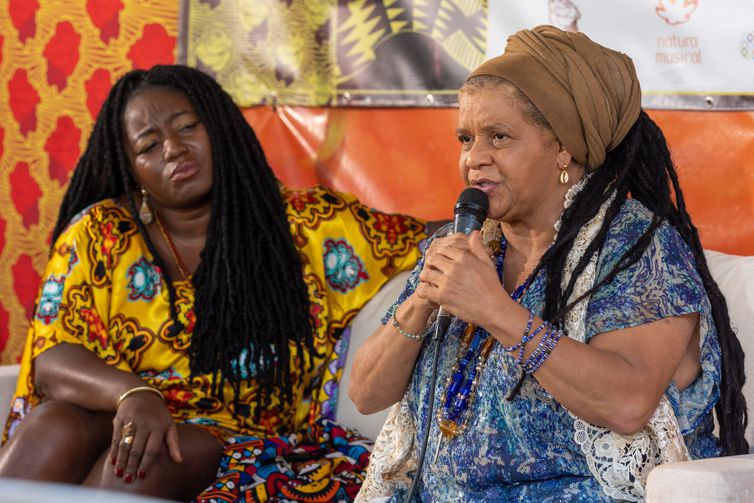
[[564, 177], [448, 427]]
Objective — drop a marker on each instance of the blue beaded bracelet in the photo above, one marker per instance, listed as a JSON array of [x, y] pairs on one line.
[[526, 337], [543, 350]]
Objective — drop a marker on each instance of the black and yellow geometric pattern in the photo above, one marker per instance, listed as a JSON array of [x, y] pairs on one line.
[[328, 53]]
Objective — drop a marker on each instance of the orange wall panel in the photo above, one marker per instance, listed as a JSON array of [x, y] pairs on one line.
[[714, 152], [406, 160]]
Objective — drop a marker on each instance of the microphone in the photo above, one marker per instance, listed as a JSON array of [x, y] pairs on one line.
[[469, 213]]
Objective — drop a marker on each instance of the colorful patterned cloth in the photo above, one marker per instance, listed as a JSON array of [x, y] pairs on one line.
[[524, 450], [325, 466], [102, 290]]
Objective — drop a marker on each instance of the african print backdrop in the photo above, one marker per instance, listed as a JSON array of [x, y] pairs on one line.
[[314, 52], [58, 60]]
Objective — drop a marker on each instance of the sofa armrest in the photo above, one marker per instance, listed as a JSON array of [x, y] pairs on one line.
[[717, 479], [8, 377]]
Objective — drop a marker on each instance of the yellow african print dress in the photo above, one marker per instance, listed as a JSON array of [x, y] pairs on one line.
[[102, 290]]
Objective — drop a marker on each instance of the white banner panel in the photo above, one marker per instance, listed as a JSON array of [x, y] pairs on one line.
[[688, 53]]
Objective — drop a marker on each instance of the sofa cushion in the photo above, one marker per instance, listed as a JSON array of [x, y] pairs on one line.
[[365, 323], [704, 480], [735, 276]]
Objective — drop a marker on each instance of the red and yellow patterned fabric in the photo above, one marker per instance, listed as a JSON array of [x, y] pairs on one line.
[[58, 61], [101, 290]]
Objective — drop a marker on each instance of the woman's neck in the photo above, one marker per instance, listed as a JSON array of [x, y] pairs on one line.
[[529, 240], [187, 225], [525, 247]]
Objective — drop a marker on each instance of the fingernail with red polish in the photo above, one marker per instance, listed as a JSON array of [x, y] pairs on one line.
[[119, 472], [113, 461], [128, 478], [142, 474]]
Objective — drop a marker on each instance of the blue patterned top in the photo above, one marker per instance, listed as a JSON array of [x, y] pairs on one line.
[[524, 450]]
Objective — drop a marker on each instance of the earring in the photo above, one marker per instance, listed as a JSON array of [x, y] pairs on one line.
[[564, 174], [145, 214]]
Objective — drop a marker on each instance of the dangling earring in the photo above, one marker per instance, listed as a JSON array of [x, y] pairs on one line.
[[145, 214], [564, 174]]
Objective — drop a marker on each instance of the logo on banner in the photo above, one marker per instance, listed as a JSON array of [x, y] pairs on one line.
[[676, 11], [564, 14], [747, 45]]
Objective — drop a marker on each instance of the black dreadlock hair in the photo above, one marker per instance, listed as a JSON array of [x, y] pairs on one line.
[[251, 299], [640, 167]]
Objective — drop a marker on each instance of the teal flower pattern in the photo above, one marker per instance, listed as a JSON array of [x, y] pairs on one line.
[[144, 280], [344, 270]]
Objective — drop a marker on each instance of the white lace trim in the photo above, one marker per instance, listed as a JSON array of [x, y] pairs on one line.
[[393, 456], [620, 463]]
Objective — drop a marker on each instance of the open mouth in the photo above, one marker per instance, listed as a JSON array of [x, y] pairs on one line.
[[483, 185]]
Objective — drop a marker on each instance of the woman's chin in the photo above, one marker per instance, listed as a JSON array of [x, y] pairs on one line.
[[499, 209]]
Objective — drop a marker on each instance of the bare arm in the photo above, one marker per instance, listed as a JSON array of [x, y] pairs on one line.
[[616, 381], [71, 373], [618, 378], [383, 365]]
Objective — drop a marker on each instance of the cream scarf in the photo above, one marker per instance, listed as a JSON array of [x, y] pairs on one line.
[[620, 463]]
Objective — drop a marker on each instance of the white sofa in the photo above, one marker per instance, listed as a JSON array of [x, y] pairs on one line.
[[724, 479]]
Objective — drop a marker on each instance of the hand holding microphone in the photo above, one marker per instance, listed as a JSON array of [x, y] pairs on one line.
[[469, 212]]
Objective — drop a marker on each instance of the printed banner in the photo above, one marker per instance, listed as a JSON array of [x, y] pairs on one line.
[[358, 53], [693, 54]]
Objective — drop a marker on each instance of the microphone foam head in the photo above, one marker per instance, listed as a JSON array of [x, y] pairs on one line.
[[474, 201]]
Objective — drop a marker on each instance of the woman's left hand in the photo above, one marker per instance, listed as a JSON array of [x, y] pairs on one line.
[[459, 274], [141, 425]]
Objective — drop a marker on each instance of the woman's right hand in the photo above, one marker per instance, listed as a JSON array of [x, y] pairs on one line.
[[144, 418]]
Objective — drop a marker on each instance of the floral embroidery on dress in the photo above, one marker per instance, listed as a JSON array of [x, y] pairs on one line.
[[50, 299], [344, 270], [144, 280]]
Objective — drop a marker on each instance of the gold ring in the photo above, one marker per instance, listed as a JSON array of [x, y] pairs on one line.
[[127, 440], [127, 429]]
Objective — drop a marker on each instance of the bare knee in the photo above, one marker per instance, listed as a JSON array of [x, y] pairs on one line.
[[166, 478], [56, 441]]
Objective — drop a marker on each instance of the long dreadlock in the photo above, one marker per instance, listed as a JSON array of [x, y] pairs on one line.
[[636, 168], [251, 299]]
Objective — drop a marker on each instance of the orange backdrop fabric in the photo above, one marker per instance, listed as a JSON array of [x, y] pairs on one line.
[[406, 160], [58, 60]]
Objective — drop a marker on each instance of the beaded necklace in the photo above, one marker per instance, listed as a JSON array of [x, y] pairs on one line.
[[476, 345], [173, 251]]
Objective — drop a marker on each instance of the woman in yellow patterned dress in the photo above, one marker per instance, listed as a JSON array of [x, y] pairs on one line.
[[191, 299]]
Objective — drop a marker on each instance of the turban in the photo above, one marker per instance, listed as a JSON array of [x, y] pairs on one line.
[[588, 93]]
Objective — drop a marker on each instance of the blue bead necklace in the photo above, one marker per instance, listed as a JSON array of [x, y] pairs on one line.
[[476, 345]]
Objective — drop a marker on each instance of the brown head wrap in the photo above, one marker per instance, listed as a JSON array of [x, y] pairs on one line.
[[588, 93]]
